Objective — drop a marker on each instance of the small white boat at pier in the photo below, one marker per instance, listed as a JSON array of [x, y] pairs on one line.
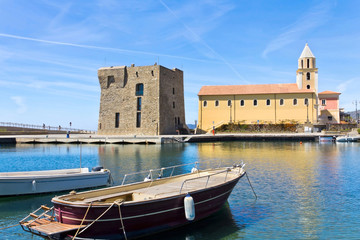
[[33, 182]]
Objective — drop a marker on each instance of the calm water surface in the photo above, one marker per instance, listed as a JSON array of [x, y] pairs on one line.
[[305, 191]]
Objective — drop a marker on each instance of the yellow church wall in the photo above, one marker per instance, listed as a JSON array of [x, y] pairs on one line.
[[213, 116]]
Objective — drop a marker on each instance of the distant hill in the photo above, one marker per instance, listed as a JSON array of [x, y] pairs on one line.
[[352, 114]]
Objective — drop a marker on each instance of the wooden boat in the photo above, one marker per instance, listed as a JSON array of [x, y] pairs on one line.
[[138, 209], [33, 182]]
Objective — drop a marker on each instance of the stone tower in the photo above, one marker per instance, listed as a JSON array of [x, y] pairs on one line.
[[145, 100], [307, 73]]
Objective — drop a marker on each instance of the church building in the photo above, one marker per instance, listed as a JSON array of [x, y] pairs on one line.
[[297, 102]]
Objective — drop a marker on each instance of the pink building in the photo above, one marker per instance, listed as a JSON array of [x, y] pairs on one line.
[[329, 107]]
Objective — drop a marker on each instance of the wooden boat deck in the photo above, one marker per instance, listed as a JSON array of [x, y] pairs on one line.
[[49, 228]]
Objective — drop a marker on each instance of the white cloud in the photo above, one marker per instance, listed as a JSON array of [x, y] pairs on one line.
[[19, 101], [315, 17]]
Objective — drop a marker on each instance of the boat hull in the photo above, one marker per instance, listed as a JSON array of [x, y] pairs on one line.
[[49, 181], [143, 218]]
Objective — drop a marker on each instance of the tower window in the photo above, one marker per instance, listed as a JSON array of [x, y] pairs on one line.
[[138, 105], [308, 63], [281, 102], [229, 103], [267, 102], [302, 63], [152, 72], [216, 103], [173, 104], [255, 102], [205, 103], [139, 89], [242, 103], [308, 76], [137, 74], [117, 120], [138, 119], [307, 86], [294, 101], [173, 91], [306, 101], [110, 80]]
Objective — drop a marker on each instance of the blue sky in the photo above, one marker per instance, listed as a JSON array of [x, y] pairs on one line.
[[50, 51]]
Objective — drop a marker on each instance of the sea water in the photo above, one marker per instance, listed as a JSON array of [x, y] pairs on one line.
[[304, 191]]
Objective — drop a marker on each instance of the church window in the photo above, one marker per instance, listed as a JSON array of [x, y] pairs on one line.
[[308, 76], [173, 91], [306, 101], [229, 103], [281, 102], [294, 101], [216, 103], [307, 86], [302, 63], [308, 63], [139, 89], [267, 102], [323, 102], [255, 102], [242, 103], [205, 103], [173, 104]]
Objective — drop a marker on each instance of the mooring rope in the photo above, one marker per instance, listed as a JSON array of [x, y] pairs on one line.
[[9, 226], [250, 185], [119, 203], [97, 218], [82, 221]]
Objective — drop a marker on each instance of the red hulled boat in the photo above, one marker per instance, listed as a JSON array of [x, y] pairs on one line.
[[138, 209]]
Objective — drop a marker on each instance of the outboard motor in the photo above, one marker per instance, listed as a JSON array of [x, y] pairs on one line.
[[97, 169]]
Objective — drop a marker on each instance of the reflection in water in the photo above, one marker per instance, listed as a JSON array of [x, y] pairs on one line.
[[305, 191]]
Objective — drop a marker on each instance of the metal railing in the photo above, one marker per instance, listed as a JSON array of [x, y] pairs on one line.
[[42, 127], [207, 176], [150, 176]]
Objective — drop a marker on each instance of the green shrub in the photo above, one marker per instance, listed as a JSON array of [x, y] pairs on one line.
[[358, 130]]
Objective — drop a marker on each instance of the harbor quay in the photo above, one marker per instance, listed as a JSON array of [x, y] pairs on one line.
[[160, 139]]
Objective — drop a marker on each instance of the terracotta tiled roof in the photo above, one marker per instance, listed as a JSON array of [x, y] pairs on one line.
[[329, 92], [252, 89]]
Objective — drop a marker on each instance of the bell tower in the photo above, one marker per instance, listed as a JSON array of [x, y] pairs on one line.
[[307, 73]]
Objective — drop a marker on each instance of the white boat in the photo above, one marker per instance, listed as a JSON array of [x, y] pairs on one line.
[[347, 139], [33, 182]]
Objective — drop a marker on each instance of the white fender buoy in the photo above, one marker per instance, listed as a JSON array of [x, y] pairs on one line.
[[194, 170], [34, 186], [189, 207]]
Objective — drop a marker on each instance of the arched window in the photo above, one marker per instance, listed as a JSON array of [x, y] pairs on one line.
[[229, 103], [307, 76], [306, 101], [281, 102], [242, 103], [205, 103], [267, 102], [307, 86], [295, 101], [255, 102], [139, 89], [308, 63], [216, 103]]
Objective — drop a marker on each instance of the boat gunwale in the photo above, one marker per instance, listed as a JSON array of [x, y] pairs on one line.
[[53, 176], [83, 204]]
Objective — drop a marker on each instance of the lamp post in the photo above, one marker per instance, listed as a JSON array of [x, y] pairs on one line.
[[356, 113]]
